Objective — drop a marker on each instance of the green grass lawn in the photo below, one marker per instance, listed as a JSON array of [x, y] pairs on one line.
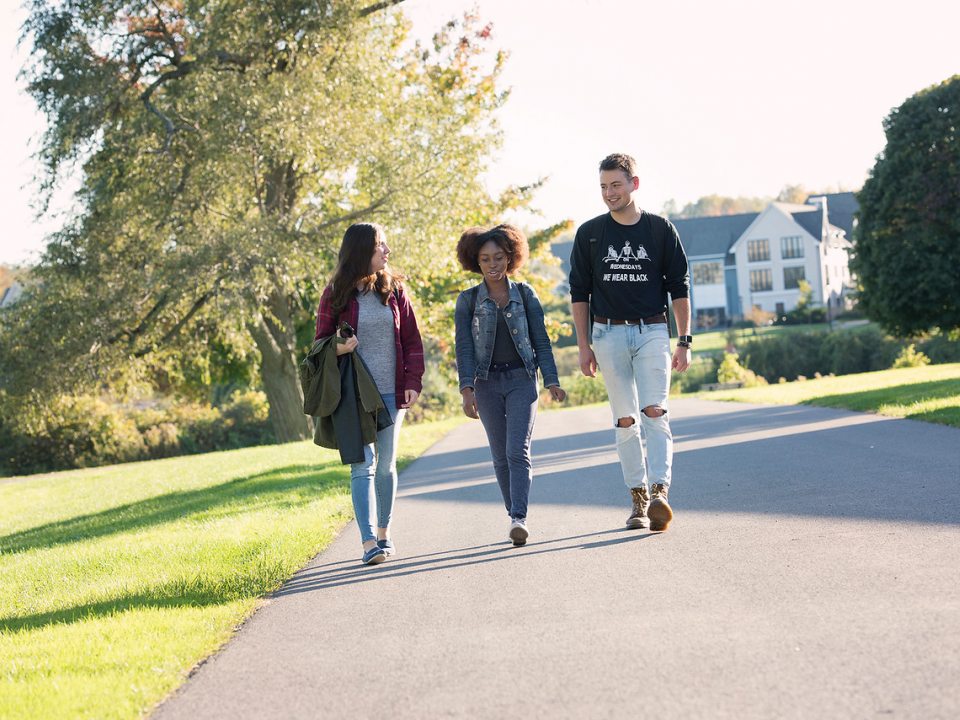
[[115, 581], [930, 393]]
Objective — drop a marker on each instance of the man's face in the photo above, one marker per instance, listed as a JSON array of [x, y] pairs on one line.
[[617, 188]]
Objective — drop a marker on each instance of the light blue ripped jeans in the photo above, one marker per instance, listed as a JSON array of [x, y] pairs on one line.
[[373, 483], [635, 363]]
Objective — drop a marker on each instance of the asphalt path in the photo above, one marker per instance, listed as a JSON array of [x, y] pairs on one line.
[[812, 571]]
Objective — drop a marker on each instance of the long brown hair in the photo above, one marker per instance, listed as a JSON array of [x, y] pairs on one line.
[[360, 242]]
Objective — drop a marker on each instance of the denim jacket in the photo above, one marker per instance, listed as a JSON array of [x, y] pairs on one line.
[[476, 335]]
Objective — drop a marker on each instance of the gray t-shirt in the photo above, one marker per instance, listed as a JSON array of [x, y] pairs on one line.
[[377, 345]]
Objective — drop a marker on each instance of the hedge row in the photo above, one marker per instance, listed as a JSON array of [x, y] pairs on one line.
[[85, 431], [837, 353]]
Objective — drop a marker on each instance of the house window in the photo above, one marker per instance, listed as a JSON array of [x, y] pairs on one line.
[[758, 250], [791, 247], [761, 280], [707, 273], [792, 277], [708, 318]]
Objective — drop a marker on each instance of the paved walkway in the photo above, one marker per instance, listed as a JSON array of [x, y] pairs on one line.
[[812, 571]]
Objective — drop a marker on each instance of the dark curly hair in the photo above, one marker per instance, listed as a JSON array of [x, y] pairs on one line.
[[510, 239]]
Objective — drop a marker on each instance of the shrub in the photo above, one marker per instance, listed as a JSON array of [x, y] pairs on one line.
[[72, 431], [941, 347], [808, 353], [247, 417], [731, 370], [909, 357], [580, 389], [702, 371]]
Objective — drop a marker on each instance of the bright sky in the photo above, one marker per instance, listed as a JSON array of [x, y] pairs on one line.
[[734, 97]]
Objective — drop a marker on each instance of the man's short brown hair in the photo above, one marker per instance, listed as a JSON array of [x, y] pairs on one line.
[[619, 161]]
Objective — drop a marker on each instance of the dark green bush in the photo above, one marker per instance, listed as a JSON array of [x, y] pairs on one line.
[[702, 371], [826, 353], [940, 348]]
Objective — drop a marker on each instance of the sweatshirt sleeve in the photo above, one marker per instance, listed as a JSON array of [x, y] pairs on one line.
[[581, 271], [676, 276]]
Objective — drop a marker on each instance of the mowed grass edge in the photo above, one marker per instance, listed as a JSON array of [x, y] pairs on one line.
[[930, 393], [116, 581]]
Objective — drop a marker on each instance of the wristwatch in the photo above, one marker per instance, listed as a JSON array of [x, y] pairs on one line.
[[685, 341]]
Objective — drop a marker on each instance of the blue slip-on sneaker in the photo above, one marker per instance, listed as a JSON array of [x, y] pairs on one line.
[[387, 546], [374, 556]]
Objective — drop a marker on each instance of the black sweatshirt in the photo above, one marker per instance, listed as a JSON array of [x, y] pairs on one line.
[[626, 271]]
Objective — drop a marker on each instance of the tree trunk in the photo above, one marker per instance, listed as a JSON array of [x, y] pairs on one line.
[[276, 340]]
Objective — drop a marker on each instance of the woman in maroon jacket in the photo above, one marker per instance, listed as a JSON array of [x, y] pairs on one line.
[[367, 295]]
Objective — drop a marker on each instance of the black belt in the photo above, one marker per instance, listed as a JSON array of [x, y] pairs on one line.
[[504, 366], [652, 320]]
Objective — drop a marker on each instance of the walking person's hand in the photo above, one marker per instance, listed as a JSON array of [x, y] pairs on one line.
[[348, 345], [470, 404], [588, 362], [681, 358], [557, 393], [409, 398]]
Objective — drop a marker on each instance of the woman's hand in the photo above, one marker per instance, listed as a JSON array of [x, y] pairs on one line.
[[346, 345], [557, 393], [409, 398], [470, 403]]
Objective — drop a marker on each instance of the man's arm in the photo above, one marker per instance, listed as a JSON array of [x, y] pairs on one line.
[[581, 323], [681, 313]]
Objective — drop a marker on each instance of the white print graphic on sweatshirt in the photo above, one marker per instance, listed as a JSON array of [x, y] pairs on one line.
[[625, 260]]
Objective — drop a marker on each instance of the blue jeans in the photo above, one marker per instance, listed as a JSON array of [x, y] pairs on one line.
[[635, 363], [507, 403], [373, 482]]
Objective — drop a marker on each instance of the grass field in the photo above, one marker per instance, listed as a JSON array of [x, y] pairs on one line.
[[930, 393], [115, 581]]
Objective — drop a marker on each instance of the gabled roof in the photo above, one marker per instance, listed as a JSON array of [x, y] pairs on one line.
[[810, 219], [841, 208], [711, 235]]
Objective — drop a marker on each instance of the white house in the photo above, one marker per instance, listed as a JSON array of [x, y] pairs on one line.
[[738, 262], [11, 294]]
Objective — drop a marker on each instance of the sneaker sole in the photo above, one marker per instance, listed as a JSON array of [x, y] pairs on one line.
[[660, 516], [519, 535], [376, 560]]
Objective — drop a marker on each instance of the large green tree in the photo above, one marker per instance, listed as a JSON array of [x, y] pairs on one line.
[[224, 147], [907, 242]]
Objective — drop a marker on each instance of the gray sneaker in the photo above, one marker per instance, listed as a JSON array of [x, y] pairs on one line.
[[518, 531], [659, 510], [638, 517]]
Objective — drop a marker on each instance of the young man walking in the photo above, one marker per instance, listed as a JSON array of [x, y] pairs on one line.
[[623, 265]]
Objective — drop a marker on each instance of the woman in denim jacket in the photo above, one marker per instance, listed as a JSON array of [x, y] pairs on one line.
[[501, 341]]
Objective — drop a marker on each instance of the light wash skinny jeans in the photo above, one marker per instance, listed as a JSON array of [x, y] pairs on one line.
[[635, 363], [373, 483]]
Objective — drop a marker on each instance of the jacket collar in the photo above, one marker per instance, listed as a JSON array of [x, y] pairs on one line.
[[513, 289]]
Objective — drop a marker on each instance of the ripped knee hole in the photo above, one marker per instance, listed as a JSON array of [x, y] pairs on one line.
[[654, 411]]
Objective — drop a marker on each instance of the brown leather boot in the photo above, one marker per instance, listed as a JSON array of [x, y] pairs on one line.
[[638, 518], [659, 510]]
